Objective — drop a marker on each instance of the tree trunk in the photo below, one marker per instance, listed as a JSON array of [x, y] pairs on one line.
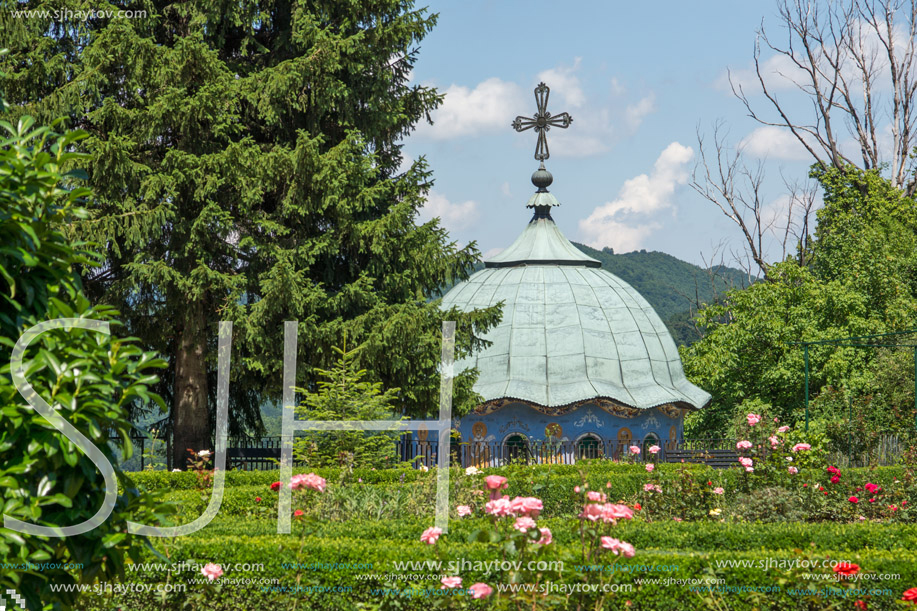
[[190, 417]]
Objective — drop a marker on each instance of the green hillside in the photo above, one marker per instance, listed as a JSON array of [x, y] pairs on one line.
[[672, 286]]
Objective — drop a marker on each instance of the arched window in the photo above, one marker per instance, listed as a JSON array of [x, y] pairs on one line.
[[589, 446], [651, 439], [516, 447]]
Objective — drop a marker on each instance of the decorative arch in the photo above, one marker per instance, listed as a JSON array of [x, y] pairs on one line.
[[651, 439], [515, 445], [589, 445]]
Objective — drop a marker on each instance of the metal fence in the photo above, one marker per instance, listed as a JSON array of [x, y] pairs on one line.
[[886, 450], [264, 453]]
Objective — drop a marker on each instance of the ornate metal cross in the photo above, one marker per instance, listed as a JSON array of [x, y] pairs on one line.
[[542, 121]]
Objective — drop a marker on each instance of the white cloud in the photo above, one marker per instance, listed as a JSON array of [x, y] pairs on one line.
[[625, 222], [563, 80], [491, 105], [779, 72], [406, 162], [491, 252], [504, 188], [774, 143], [616, 87], [454, 216], [634, 113]]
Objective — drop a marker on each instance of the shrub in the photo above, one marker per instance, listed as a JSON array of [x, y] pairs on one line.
[[86, 377]]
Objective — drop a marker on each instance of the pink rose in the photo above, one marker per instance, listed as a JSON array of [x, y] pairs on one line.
[[499, 507], [745, 461], [783, 429], [650, 466], [430, 535], [309, 480], [792, 470], [576, 489], [627, 550], [609, 543], [743, 445], [592, 512], [524, 523], [635, 449], [598, 497], [753, 419], [527, 506], [654, 449], [775, 441], [801, 447], [495, 482], [647, 487], [718, 491], [612, 512], [212, 571], [546, 536], [463, 510], [450, 583], [749, 469], [481, 590], [618, 547]]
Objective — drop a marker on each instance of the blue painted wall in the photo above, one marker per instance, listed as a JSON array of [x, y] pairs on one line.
[[519, 419]]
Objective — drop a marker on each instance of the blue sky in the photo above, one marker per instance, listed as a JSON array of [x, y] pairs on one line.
[[639, 80]]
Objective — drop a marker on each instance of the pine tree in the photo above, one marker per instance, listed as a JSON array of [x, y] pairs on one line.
[[246, 161], [343, 393]]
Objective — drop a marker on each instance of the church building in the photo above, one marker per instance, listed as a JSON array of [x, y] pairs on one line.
[[580, 361]]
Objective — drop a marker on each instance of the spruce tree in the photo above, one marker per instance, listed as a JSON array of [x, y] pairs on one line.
[[247, 165]]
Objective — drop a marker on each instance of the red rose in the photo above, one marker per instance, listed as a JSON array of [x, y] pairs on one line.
[[846, 569], [854, 500], [835, 479], [805, 485], [275, 486], [910, 595], [860, 604], [257, 499], [298, 513], [637, 506]]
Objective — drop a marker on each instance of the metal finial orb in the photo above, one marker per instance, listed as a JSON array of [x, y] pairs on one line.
[[542, 179]]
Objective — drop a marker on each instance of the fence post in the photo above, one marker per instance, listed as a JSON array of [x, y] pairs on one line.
[[806, 356]]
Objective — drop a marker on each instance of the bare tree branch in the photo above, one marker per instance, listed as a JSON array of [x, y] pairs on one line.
[[845, 56]]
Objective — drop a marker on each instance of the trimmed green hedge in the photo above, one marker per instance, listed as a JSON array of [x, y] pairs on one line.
[[877, 548]]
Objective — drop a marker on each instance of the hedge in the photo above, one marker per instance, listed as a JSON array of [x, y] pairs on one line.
[[551, 483], [872, 546]]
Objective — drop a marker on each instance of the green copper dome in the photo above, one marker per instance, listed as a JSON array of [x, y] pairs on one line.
[[571, 331]]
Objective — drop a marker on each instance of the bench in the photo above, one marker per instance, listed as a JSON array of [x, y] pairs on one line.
[[718, 459]]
